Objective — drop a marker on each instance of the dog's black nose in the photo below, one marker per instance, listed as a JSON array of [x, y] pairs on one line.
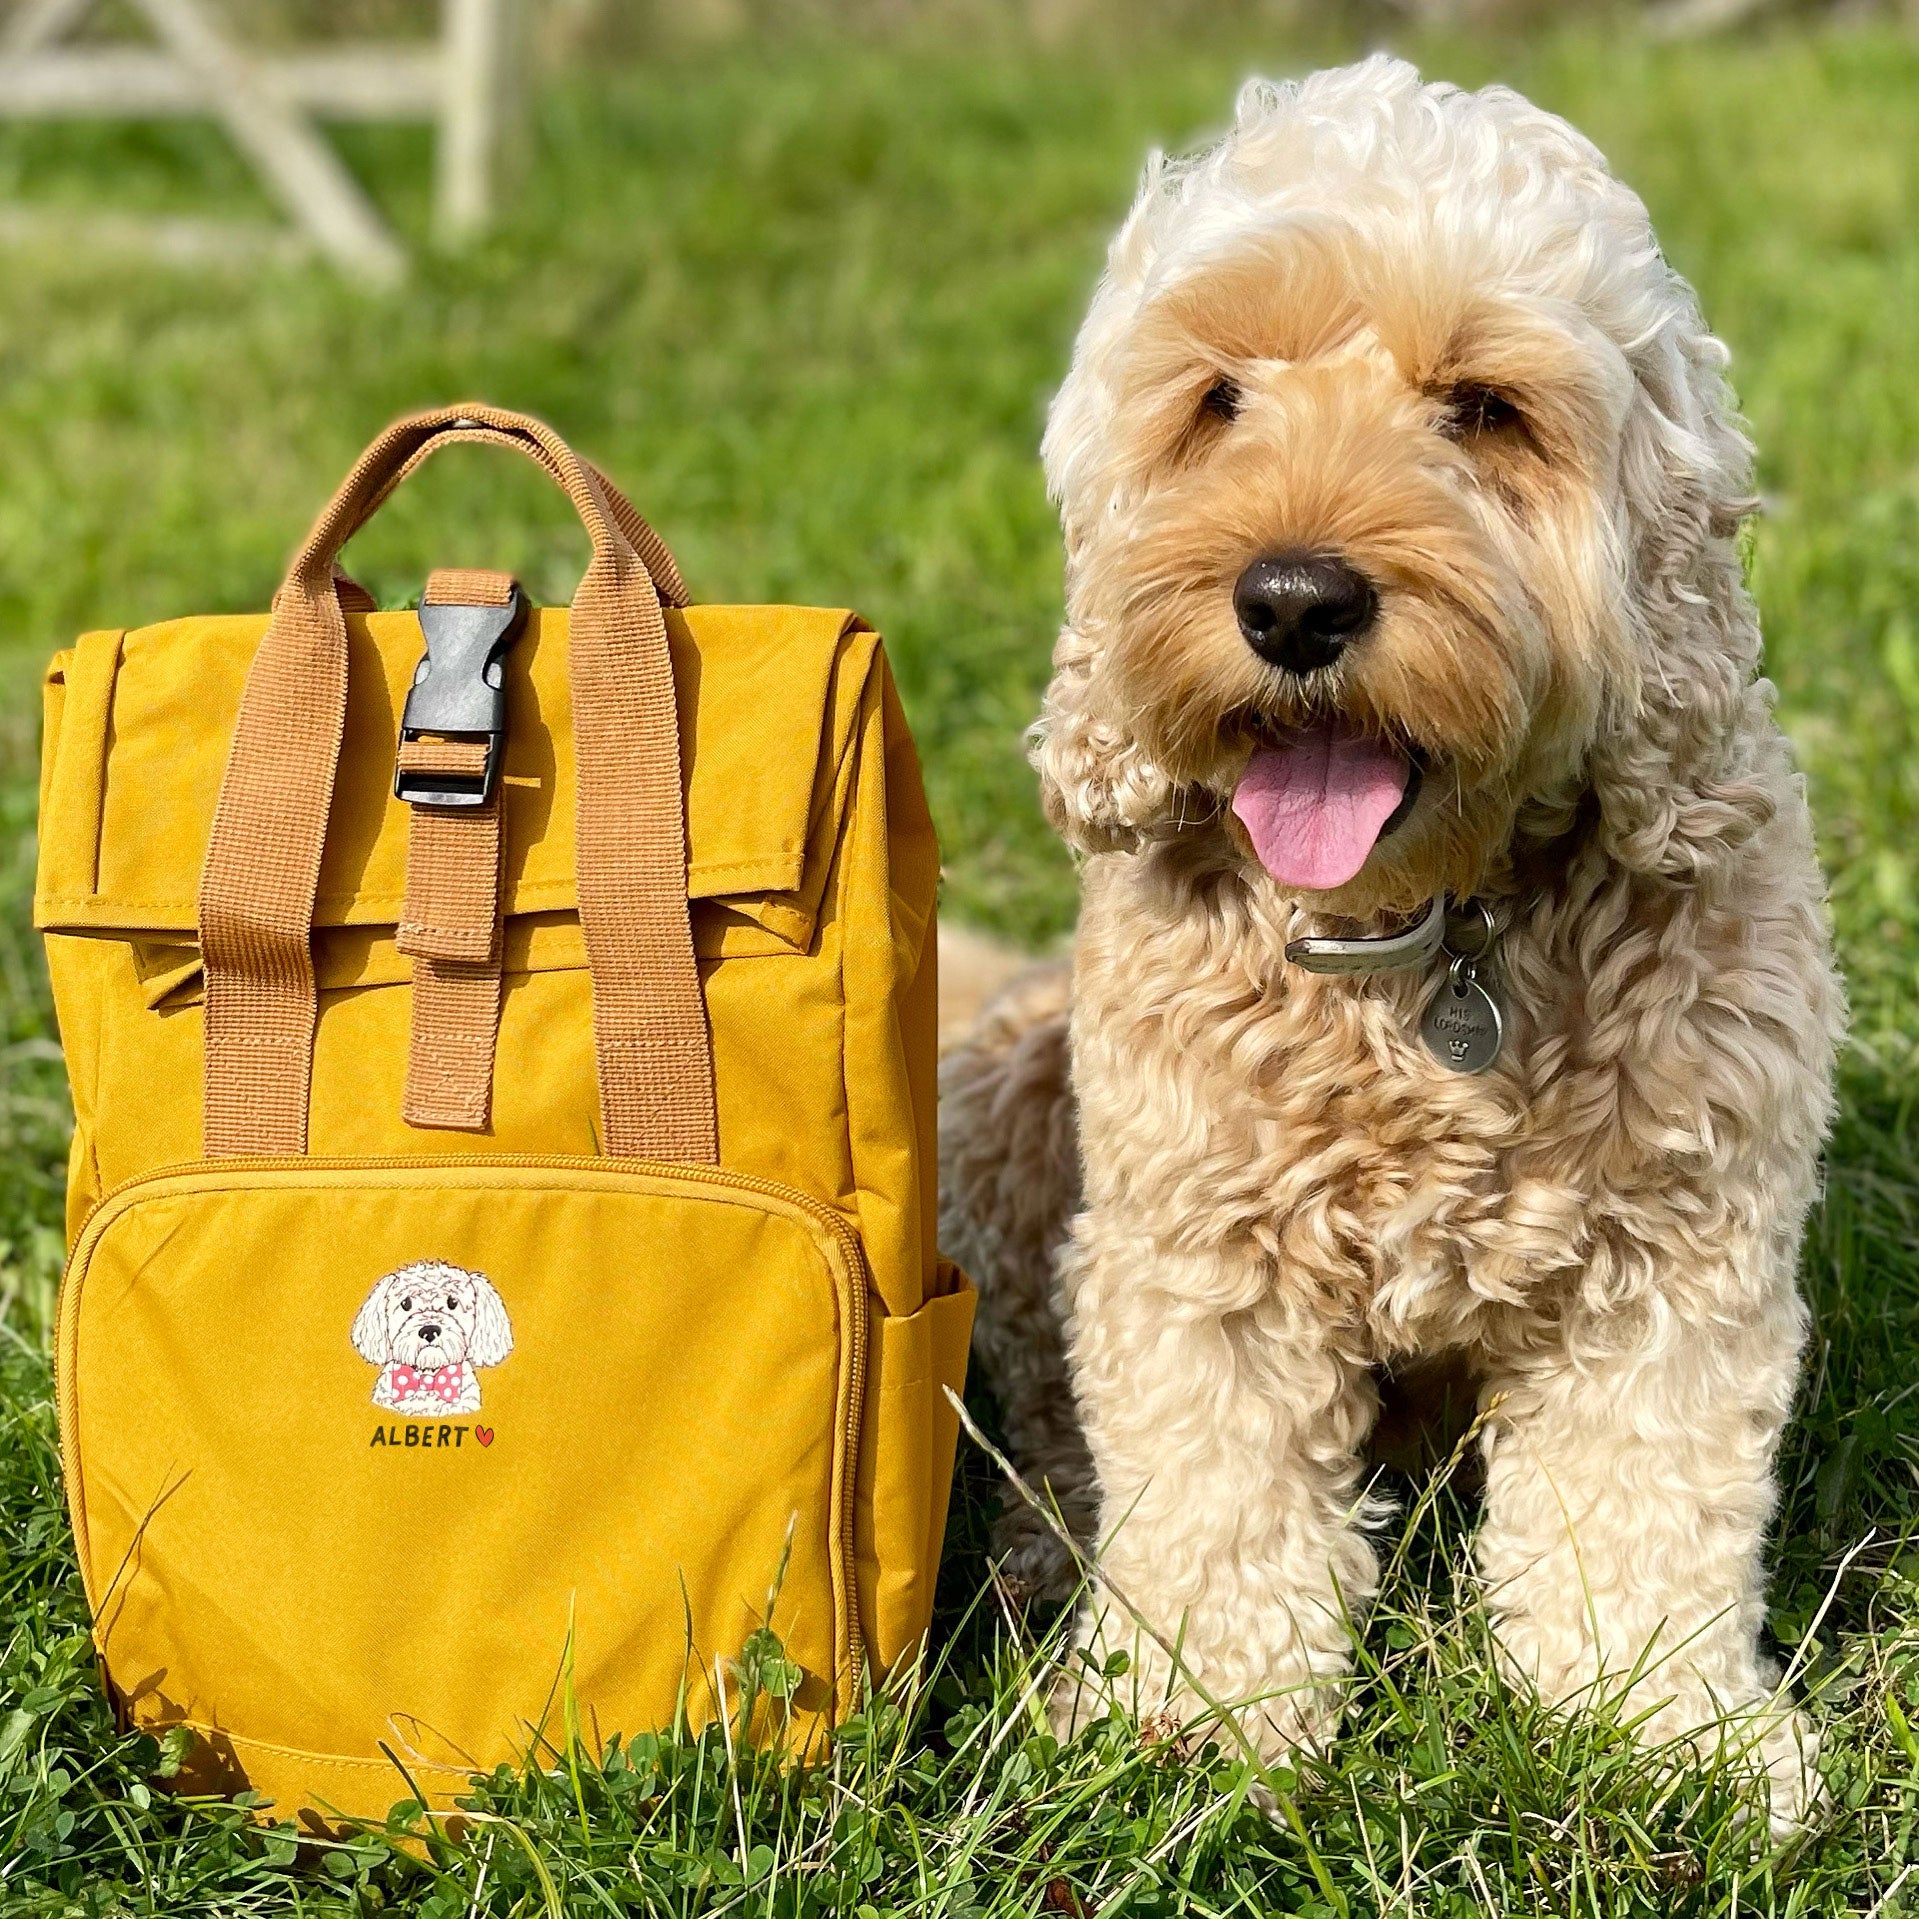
[[429, 1332], [1300, 610]]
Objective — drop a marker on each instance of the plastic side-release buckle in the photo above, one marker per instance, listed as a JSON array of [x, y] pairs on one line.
[[459, 689]]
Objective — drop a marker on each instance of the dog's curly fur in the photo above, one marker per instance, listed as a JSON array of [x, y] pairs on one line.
[[1281, 1190]]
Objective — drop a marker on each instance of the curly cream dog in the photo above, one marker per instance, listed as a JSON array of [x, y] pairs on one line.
[[1400, 485], [430, 1327]]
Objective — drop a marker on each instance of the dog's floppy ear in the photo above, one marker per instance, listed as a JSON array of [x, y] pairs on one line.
[[492, 1332], [1676, 767], [1099, 788], [369, 1325]]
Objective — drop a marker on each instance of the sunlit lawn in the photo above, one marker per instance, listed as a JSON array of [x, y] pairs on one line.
[[807, 303]]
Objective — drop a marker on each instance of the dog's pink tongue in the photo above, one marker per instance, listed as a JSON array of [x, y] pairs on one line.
[[1314, 806]]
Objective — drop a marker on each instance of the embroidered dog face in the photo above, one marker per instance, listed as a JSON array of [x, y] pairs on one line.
[[430, 1327]]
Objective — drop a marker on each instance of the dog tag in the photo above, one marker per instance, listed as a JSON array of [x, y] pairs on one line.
[[1463, 1027]]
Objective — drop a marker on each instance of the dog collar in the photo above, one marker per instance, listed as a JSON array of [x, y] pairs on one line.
[[1464, 1024], [1379, 953]]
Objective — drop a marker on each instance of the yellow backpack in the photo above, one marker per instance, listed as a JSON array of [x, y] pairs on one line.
[[502, 1195]]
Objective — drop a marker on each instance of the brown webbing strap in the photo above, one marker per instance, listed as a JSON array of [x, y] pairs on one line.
[[262, 870], [450, 925], [661, 567], [659, 563], [353, 597]]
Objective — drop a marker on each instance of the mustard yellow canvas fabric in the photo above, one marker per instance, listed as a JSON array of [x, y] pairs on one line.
[[375, 1450]]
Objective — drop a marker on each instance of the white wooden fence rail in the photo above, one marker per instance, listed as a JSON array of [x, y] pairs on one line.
[[268, 102]]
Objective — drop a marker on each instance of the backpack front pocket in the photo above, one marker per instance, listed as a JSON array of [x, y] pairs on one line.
[[394, 1468]]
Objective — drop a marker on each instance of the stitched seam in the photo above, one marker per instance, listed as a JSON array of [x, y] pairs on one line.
[[211, 1733]]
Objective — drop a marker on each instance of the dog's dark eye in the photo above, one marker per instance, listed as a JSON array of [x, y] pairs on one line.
[[1221, 400], [452, 1303], [1475, 411], [406, 1305]]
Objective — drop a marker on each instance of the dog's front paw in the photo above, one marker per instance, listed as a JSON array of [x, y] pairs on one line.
[[1763, 1741], [1784, 1749], [1774, 1750], [1108, 1672], [1182, 1708]]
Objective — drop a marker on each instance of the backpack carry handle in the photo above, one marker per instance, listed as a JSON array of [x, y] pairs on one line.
[[257, 890], [660, 563]]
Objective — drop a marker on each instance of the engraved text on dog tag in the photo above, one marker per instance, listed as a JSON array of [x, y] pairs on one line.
[[1463, 1026]]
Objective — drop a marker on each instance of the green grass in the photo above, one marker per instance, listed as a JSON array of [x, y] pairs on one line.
[[807, 304]]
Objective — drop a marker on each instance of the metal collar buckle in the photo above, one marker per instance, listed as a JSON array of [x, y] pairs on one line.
[[459, 688]]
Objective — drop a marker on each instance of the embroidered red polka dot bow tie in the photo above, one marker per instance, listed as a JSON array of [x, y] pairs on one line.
[[443, 1384]]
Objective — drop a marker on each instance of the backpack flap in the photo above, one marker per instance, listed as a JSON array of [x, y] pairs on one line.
[[139, 725]]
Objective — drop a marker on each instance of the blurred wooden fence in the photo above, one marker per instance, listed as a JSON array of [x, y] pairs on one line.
[[196, 64]]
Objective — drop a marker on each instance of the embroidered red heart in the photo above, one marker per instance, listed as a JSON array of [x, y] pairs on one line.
[[484, 1434]]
